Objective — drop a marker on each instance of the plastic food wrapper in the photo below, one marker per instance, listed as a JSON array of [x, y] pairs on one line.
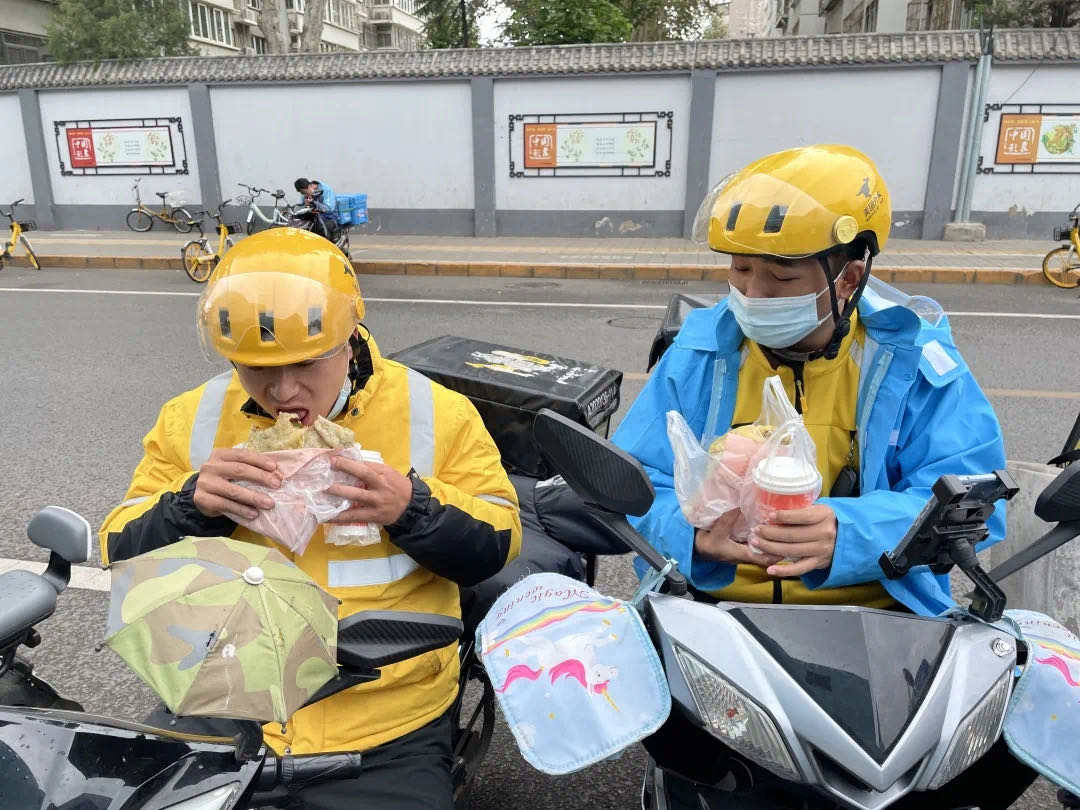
[[302, 503], [712, 482]]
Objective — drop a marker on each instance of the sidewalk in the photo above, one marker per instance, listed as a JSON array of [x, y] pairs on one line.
[[995, 262]]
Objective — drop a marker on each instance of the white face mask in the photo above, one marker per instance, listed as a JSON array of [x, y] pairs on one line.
[[778, 323]]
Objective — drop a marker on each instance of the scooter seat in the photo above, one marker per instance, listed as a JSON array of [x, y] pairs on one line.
[[28, 599]]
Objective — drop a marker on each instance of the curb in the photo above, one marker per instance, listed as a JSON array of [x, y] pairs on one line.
[[624, 272]]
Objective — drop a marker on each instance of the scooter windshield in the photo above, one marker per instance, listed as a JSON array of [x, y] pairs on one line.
[[870, 670]]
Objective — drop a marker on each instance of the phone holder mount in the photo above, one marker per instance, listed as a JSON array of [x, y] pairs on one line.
[[946, 532]]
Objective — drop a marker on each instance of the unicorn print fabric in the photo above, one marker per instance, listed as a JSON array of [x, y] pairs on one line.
[[1042, 726], [574, 672]]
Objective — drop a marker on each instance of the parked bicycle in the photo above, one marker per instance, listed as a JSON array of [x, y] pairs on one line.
[[17, 230], [1061, 266], [279, 214], [199, 260], [141, 217]]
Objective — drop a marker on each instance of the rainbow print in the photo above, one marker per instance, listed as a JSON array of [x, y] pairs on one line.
[[552, 616]]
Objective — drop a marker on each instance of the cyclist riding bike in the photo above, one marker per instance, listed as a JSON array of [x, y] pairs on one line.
[[284, 309], [884, 393], [321, 216]]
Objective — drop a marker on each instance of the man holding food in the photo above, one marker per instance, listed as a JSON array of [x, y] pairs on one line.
[[284, 308], [883, 392]]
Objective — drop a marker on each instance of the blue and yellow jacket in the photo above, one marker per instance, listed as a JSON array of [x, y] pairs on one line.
[[919, 415]]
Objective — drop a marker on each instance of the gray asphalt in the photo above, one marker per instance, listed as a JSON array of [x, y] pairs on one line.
[[84, 377]]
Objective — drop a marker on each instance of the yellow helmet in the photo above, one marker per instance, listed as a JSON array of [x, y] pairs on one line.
[[279, 297], [798, 203]]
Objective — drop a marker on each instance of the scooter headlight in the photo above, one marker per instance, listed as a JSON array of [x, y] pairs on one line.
[[735, 719], [975, 734], [222, 798]]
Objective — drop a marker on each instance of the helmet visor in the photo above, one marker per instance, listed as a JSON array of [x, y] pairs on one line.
[[758, 214], [273, 319]]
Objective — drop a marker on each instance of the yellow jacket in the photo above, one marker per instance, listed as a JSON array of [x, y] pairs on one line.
[[471, 527]]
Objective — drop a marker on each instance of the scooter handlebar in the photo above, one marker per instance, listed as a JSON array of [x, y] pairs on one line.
[[295, 772]]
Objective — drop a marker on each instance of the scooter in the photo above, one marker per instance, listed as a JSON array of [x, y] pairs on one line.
[[824, 707]]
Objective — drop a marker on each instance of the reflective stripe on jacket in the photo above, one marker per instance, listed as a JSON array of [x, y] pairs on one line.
[[463, 523]]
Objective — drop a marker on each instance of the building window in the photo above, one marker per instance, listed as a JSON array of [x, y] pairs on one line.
[[210, 23], [21, 49], [384, 37], [871, 16], [258, 44], [295, 5], [341, 13]]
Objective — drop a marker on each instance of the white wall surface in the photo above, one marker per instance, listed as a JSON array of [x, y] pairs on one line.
[[760, 113], [404, 145], [14, 165], [593, 95], [148, 102], [1019, 193]]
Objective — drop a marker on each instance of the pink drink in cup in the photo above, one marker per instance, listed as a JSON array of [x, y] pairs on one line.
[[783, 482]]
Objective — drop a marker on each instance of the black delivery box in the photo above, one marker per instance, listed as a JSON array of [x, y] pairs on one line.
[[509, 386]]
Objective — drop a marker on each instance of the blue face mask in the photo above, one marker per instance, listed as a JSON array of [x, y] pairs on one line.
[[777, 323]]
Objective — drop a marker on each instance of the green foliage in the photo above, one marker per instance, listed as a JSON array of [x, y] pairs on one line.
[[541, 22], [118, 29], [662, 20], [1027, 13], [717, 27], [442, 22]]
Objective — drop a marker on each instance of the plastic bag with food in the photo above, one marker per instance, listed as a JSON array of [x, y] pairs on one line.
[[301, 503], [709, 483]]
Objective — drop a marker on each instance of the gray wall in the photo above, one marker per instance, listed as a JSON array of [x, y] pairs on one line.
[[15, 166], [433, 155]]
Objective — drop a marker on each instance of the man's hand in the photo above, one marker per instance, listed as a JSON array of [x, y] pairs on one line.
[[715, 543], [807, 536], [215, 492], [380, 498]]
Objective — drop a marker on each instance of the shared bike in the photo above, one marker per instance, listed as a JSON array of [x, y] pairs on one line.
[[17, 237], [1061, 266], [279, 214], [141, 217], [199, 260]]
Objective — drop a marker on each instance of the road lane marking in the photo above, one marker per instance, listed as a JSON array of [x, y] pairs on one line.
[[466, 302], [83, 577]]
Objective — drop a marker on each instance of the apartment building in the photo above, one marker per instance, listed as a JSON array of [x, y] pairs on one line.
[[813, 17], [224, 27]]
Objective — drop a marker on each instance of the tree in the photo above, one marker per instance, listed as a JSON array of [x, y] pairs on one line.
[[313, 24], [118, 29], [661, 20], [1027, 13], [277, 39], [541, 22], [717, 27], [442, 22]]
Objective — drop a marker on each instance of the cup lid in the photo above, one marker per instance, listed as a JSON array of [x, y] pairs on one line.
[[785, 475]]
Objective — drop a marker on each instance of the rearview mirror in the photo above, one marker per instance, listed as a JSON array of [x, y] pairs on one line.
[[62, 531], [1060, 501]]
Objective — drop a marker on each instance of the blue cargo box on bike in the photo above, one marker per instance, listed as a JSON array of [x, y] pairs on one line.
[[352, 209]]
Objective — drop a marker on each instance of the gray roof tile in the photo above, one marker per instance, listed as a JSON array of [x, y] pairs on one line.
[[1041, 45]]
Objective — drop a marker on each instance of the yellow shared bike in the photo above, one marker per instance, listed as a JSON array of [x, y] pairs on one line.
[[199, 260], [1061, 266], [141, 217], [16, 237]]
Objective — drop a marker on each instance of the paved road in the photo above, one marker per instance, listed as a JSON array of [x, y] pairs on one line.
[[87, 363]]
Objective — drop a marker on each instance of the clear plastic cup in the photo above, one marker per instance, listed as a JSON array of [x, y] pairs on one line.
[[782, 482]]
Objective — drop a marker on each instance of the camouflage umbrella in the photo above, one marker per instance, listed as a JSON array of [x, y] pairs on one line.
[[223, 628]]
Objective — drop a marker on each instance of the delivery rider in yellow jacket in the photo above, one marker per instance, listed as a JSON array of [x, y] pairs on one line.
[[284, 309]]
